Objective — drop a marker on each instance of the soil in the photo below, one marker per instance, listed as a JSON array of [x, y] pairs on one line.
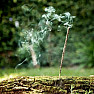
[[48, 85]]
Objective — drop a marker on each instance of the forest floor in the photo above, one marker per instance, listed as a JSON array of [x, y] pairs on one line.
[[46, 81], [47, 85]]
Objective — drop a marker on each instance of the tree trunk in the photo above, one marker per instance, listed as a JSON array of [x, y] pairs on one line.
[[48, 85], [34, 57]]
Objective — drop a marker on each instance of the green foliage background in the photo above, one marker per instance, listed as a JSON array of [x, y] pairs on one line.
[[80, 47]]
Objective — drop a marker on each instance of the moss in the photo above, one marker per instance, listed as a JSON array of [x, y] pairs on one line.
[[48, 85]]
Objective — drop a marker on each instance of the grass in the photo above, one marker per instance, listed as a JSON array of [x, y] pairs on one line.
[[47, 71]]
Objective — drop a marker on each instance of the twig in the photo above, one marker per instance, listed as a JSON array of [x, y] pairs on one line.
[[62, 58]]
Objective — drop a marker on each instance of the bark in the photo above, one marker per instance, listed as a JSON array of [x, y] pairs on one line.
[[48, 85], [34, 57]]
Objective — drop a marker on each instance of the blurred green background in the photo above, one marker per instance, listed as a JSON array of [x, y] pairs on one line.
[[80, 47]]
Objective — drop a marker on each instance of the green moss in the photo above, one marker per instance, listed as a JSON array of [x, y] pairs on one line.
[[48, 85]]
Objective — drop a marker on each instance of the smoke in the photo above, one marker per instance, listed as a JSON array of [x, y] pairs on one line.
[[33, 36]]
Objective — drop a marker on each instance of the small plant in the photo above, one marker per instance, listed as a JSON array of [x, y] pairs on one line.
[[33, 36]]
